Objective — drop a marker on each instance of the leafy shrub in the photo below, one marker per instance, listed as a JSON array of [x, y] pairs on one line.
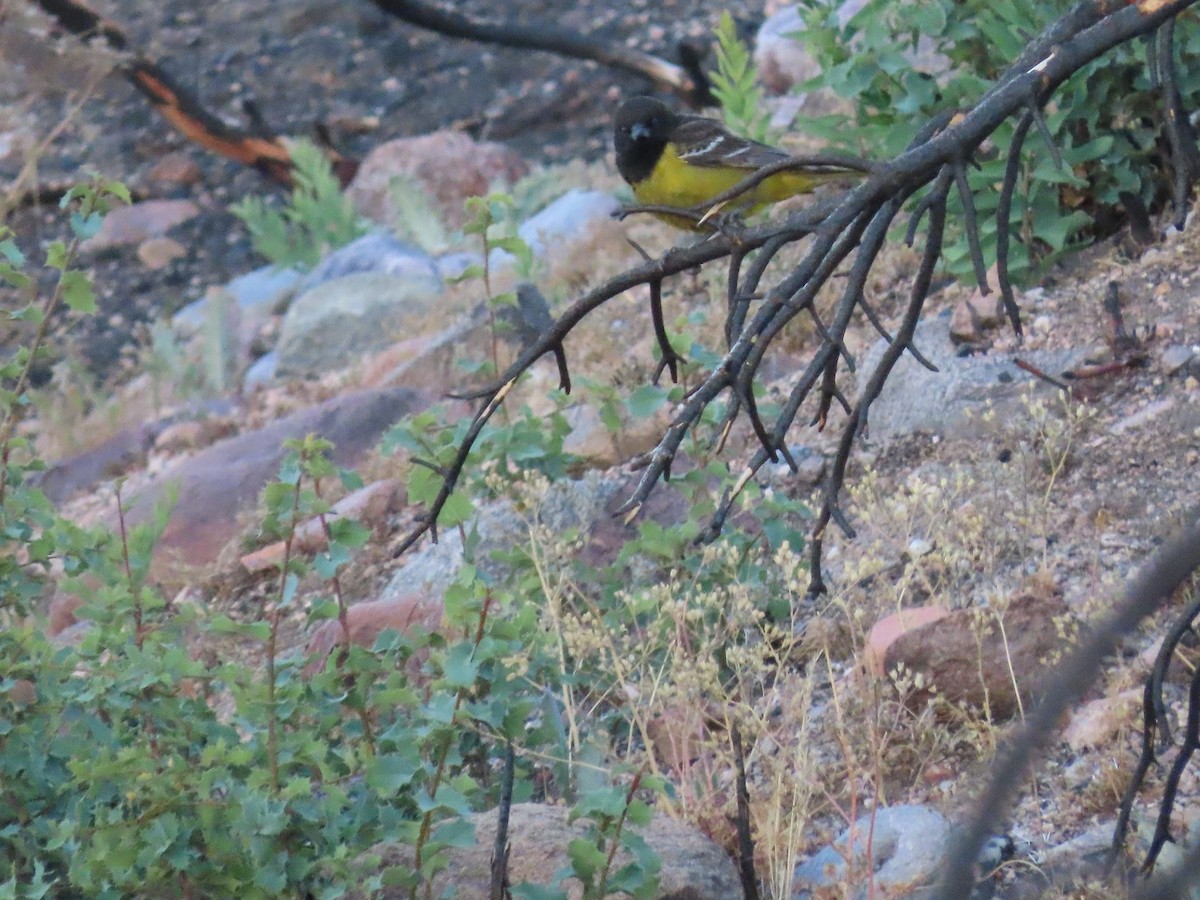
[[133, 765], [1106, 119]]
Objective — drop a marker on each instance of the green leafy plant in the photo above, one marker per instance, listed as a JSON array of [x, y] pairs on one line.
[[593, 858], [1103, 120], [317, 218], [34, 539], [735, 84], [132, 764]]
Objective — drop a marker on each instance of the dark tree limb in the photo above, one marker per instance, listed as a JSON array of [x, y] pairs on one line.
[[687, 82], [669, 360], [745, 840], [500, 851], [1185, 158], [674, 262], [1191, 743], [1155, 720], [257, 146], [1008, 187]]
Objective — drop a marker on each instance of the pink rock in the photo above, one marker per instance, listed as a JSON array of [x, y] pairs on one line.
[[219, 483], [369, 620], [1096, 722], [193, 433], [22, 692], [448, 165], [129, 225], [62, 613], [368, 505], [175, 168], [160, 252], [891, 628], [984, 659], [115, 456]]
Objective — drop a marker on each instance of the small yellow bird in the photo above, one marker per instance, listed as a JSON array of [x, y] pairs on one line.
[[684, 161]]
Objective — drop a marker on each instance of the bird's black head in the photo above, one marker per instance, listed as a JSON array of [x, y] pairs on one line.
[[641, 129]]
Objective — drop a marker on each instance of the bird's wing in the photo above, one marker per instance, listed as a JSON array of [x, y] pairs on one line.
[[703, 142]]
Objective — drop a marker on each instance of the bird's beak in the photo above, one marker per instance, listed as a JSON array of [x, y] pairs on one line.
[[639, 131]]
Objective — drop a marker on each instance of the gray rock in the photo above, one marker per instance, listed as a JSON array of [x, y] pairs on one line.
[[262, 289], [451, 265], [908, 848], [589, 506], [374, 252], [339, 321], [566, 219], [261, 372], [810, 468], [914, 399], [1175, 357], [560, 224], [257, 295]]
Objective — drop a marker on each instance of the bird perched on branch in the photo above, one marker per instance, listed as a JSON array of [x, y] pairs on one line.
[[685, 161]]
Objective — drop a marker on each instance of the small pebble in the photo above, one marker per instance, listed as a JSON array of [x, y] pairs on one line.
[[1175, 357]]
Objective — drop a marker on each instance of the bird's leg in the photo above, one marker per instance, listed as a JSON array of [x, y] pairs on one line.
[[732, 226]]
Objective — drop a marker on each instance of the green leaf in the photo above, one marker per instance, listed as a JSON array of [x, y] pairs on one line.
[[222, 624], [459, 669], [455, 833], [290, 585], [525, 891], [323, 609], [349, 533], [423, 485], [11, 252], [458, 509], [470, 273], [390, 773], [646, 400], [86, 226], [56, 255], [518, 248], [586, 858]]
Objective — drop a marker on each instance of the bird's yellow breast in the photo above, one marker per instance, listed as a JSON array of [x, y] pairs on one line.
[[674, 182]]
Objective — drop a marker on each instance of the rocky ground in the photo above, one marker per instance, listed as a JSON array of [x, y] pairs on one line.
[[369, 77], [980, 488]]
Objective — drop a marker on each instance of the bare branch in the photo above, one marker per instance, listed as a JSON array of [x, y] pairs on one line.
[[857, 223]]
